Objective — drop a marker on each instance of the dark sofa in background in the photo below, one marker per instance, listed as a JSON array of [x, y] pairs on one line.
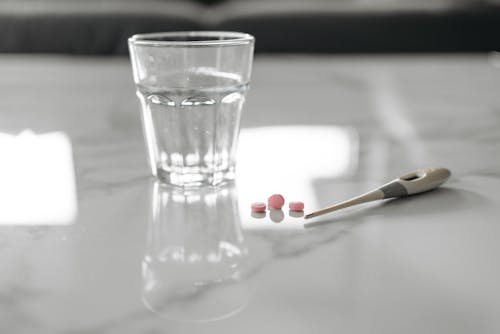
[[102, 26]]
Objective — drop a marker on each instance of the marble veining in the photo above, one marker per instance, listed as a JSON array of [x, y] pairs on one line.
[[143, 259]]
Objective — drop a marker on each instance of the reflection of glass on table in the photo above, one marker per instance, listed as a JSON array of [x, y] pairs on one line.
[[192, 266]]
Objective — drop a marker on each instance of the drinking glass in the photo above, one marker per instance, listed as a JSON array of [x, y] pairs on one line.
[[192, 87]]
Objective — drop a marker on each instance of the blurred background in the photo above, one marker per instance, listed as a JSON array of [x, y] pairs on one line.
[[101, 27]]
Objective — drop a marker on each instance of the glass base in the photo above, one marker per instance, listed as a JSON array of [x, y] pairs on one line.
[[195, 179]]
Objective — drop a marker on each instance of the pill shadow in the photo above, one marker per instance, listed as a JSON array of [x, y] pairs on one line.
[[296, 214], [258, 215], [277, 216]]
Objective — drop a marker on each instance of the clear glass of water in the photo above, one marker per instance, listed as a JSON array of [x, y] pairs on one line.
[[192, 87]]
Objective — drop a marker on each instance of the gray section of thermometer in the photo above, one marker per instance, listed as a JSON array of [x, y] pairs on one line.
[[394, 189]]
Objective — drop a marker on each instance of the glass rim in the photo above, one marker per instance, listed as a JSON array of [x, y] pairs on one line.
[[229, 38]]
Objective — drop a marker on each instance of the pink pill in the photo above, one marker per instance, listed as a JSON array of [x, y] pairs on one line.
[[276, 201], [296, 206], [259, 207]]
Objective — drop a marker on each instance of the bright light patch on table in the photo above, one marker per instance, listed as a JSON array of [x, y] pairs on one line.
[[288, 160], [37, 184]]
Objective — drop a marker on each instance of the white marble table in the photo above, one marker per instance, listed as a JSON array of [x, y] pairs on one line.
[[115, 253]]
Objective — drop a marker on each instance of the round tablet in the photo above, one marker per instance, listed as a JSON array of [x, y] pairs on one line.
[[259, 207], [276, 201], [296, 206]]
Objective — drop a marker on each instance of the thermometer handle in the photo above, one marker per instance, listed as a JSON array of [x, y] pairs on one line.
[[416, 182]]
